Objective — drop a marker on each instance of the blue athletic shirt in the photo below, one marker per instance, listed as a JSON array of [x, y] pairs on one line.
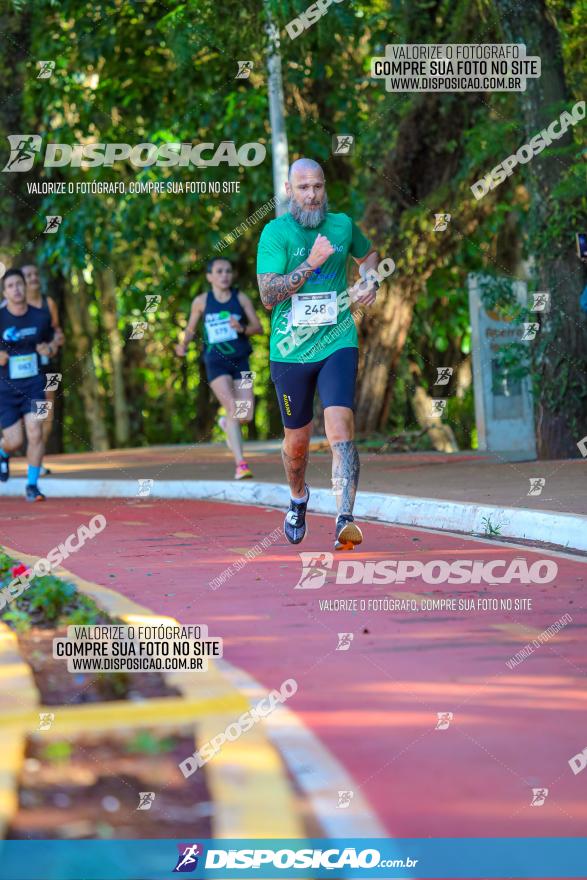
[[19, 336]]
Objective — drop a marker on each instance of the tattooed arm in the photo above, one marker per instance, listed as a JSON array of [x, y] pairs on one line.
[[275, 288]]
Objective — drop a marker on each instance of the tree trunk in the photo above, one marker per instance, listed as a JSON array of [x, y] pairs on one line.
[[409, 176], [89, 387], [115, 344], [562, 404], [441, 435], [382, 335]]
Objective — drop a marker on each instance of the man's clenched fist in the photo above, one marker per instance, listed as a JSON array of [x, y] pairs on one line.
[[321, 250]]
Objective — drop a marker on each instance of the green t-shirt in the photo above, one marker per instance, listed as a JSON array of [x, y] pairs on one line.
[[283, 245]]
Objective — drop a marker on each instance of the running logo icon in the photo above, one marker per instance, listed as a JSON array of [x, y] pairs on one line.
[[437, 407], [144, 489], [146, 799], [247, 377], [540, 301], [344, 641], [444, 375], [313, 576], [46, 68], [187, 861], [539, 795], [23, 148], [244, 69], [343, 144], [52, 381], [138, 329], [344, 799], [42, 409], [444, 719], [53, 223], [46, 719], [152, 303], [441, 222], [537, 484], [530, 331]]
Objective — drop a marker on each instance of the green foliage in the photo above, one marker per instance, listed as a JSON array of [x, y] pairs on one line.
[[492, 530], [20, 620], [86, 614], [58, 752], [50, 595], [144, 742], [161, 72]]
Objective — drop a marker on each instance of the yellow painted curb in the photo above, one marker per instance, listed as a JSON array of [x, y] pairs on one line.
[[250, 788], [16, 683], [120, 714]]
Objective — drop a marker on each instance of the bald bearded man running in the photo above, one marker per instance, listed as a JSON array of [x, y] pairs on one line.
[[302, 275]]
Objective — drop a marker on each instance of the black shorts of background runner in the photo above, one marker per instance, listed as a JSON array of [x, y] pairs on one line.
[[17, 398], [296, 384], [225, 366]]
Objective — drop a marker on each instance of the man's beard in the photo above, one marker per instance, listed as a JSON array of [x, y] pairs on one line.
[[311, 218]]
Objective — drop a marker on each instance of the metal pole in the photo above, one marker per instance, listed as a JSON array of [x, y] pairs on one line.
[[276, 115]]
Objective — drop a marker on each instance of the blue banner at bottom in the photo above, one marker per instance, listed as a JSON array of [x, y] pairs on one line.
[[450, 858]]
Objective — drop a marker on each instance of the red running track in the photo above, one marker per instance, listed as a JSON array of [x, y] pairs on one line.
[[374, 706]]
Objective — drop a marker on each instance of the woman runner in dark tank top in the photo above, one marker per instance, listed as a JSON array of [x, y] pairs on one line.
[[229, 318]]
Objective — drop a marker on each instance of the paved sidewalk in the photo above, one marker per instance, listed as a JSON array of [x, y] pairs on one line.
[[475, 478]]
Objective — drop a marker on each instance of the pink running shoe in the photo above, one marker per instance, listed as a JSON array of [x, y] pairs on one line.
[[243, 471]]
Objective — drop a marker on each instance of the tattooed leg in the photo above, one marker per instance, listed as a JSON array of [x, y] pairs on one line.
[[294, 452], [345, 474]]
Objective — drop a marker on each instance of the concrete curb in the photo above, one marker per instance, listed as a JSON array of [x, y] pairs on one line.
[[565, 530]]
